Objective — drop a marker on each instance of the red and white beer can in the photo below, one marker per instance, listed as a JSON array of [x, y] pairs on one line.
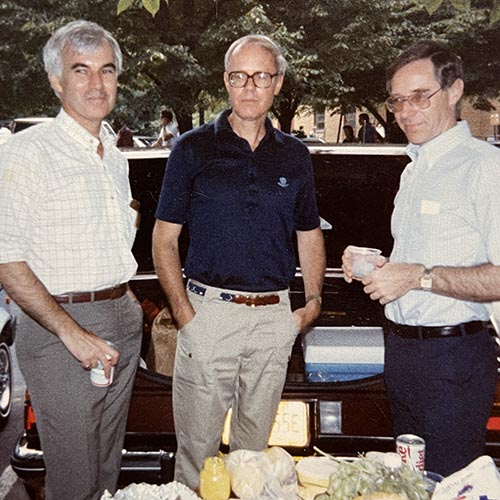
[[411, 449]]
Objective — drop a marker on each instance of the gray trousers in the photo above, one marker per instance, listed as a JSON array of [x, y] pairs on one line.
[[228, 356], [81, 426]]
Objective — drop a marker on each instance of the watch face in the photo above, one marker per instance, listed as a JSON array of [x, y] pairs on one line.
[[426, 280]]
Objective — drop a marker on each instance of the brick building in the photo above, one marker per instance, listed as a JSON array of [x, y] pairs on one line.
[[326, 125]]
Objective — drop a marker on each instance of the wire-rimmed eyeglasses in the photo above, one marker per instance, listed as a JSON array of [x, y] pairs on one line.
[[418, 99], [261, 79]]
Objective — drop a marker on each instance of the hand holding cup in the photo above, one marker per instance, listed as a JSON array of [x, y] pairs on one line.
[[363, 260]]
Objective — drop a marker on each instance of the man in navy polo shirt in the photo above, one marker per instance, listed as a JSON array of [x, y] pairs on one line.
[[245, 190]]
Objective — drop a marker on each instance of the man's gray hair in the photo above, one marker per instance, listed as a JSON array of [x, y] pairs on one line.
[[81, 36], [262, 41]]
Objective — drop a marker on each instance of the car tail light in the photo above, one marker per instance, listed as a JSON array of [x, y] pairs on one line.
[[29, 413], [493, 424], [330, 417]]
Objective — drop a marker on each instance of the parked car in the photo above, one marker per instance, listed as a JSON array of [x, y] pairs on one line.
[[6, 340], [19, 124], [355, 190], [311, 139], [144, 141]]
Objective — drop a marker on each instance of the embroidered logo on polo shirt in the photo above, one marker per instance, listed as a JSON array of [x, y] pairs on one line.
[[283, 182]]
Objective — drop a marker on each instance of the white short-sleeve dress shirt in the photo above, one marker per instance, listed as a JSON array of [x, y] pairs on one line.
[[447, 213]]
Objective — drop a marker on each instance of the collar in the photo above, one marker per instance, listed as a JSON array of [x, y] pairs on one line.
[[222, 127], [81, 134], [440, 145]]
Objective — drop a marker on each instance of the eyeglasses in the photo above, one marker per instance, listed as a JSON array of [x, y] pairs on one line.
[[417, 99], [261, 79]]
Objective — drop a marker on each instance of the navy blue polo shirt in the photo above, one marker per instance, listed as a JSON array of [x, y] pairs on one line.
[[242, 207]]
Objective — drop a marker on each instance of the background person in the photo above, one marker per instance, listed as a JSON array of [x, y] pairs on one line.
[[65, 258], [443, 273], [246, 190], [348, 134], [124, 136], [168, 132], [367, 133]]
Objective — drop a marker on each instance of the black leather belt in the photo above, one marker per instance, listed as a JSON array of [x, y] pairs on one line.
[[252, 300], [79, 297], [435, 332]]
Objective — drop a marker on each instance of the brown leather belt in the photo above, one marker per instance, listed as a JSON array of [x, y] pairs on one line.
[[435, 332], [78, 297], [251, 300]]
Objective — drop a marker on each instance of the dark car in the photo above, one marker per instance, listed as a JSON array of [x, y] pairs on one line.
[[355, 191]]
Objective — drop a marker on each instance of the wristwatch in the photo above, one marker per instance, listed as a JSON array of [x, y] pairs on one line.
[[315, 297], [426, 279]]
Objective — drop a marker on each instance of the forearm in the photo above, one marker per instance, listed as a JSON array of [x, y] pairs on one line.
[[312, 258], [478, 283], [169, 270], [33, 298]]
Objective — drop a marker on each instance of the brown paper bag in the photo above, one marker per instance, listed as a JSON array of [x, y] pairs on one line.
[[161, 353]]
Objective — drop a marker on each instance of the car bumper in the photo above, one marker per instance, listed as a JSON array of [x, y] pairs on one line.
[[145, 458]]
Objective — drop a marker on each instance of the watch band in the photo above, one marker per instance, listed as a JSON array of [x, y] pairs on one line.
[[315, 297], [426, 279]]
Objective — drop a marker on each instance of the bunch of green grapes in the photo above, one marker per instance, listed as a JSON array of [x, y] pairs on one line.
[[364, 475]]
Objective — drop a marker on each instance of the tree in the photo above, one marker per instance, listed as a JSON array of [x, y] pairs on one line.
[[493, 7], [337, 50]]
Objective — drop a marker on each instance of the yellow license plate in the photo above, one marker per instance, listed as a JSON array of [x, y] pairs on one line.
[[291, 426]]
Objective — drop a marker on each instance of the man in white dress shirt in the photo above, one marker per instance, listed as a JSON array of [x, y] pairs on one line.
[[444, 269], [65, 259]]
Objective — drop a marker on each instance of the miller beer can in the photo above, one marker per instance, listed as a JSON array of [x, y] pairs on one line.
[[411, 449]]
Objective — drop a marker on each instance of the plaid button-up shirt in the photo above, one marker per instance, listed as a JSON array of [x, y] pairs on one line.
[[64, 210]]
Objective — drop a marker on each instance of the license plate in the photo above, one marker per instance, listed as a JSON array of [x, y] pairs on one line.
[[291, 426]]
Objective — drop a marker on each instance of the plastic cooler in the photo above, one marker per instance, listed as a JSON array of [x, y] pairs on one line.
[[335, 354]]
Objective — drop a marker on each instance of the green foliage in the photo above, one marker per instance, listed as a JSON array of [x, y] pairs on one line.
[[174, 57], [461, 4], [465, 5], [123, 5], [495, 13], [152, 6]]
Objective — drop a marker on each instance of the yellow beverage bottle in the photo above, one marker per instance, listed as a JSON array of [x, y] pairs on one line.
[[214, 480]]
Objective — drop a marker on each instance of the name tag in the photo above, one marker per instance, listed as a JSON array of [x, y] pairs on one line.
[[429, 207]]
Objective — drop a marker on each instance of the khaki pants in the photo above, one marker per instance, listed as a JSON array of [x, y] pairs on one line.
[[228, 356]]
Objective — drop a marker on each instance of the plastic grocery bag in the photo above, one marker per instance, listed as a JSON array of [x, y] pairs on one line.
[[144, 491], [262, 474], [480, 480]]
